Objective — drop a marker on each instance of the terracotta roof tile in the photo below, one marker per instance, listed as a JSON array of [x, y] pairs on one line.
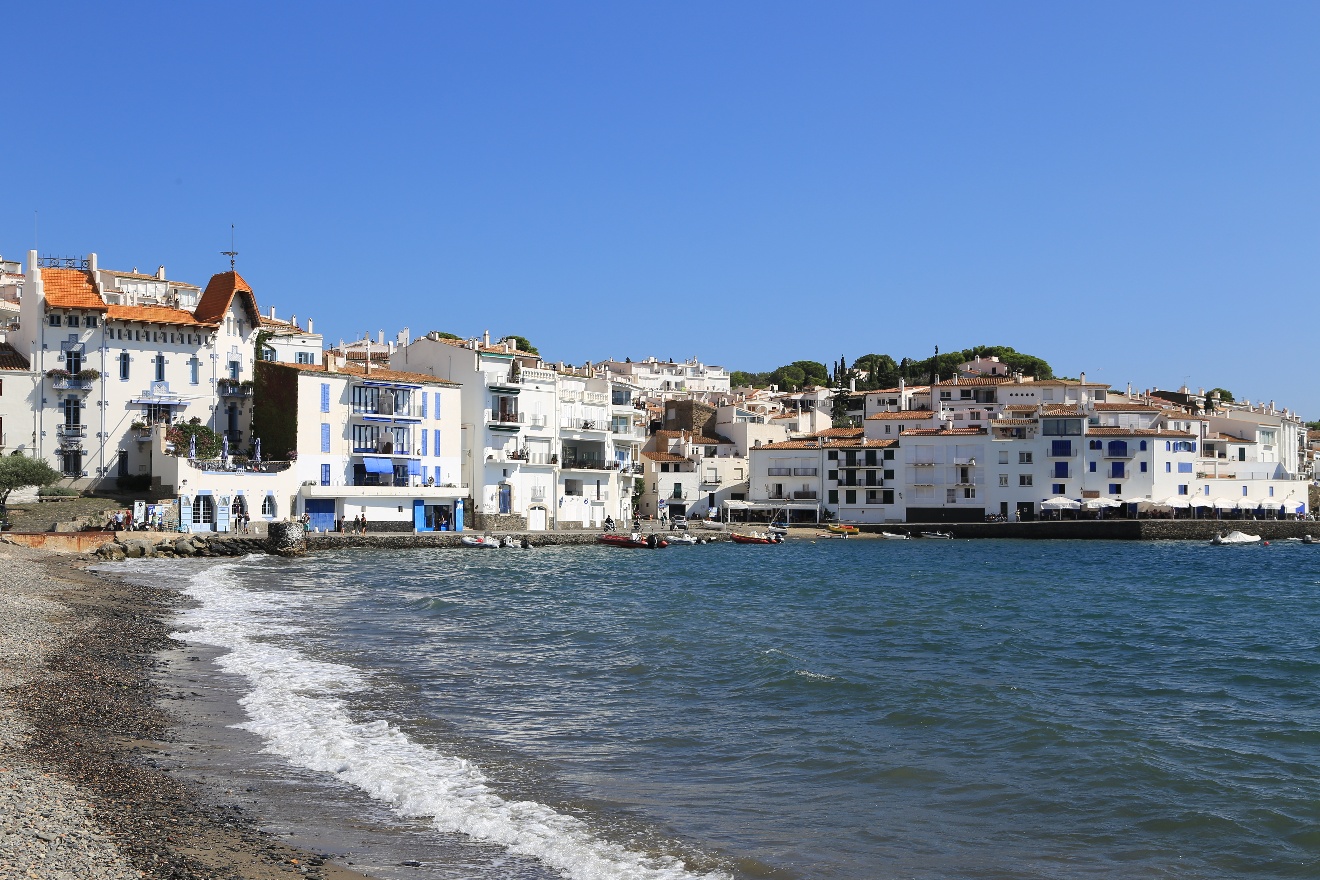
[[936, 432], [840, 432], [663, 456], [905, 415], [1021, 407], [10, 359], [834, 443], [356, 371], [1133, 406], [1006, 423], [1109, 431], [1062, 409], [979, 380], [70, 289], [220, 292], [153, 315]]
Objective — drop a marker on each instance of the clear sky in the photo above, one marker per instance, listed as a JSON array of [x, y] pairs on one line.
[[1130, 190]]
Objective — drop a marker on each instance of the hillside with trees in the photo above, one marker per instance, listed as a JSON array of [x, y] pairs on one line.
[[873, 371]]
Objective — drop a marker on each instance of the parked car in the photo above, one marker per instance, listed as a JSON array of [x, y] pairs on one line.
[[680, 523]]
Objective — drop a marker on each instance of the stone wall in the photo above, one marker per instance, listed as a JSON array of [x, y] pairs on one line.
[[1111, 529], [497, 522]]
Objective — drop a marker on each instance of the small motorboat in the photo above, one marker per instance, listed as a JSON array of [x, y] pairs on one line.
[[1235, 537], [684, 539], [756, 538], [945, 536], [841, 529], [892, 536], [487, 541], [635, 541]]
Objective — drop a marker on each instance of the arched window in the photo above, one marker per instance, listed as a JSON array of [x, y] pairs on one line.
[[1143, 445], [203, 510], [268, 506]]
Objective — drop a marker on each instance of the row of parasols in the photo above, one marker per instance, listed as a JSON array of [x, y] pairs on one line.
[[1181, 502]]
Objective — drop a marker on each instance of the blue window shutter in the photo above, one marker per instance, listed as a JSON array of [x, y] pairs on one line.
[[423, 442], [325, 475], [423, 396], [437, 442], [325, 397], [325, 437], [437, 406]]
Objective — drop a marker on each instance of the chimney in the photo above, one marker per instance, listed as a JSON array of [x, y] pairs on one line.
[[272, 313], [1129, 394], [293, 319], [485, 339], [380, 337], [902, 387], [91, 262], [309, 325], [852, 383], [1082, 377], [160, 272]]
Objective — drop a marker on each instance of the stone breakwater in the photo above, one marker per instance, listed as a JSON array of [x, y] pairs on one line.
[[81, 713]]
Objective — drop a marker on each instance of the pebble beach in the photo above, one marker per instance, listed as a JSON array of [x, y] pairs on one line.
[[81, 715]]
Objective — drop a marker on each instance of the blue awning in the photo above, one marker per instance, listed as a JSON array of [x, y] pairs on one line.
[[414, 467], [378, 465]]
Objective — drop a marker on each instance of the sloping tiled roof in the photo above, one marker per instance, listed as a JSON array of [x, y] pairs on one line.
[[1062, 409], [1011, 423], [153, 315], [1110, 431], [70, 289], [834, 443], [979, 380], [496, 348], [905, 415], [840, 432], [356, 371], [11, 359], [663, 456], [1021, 407], [1131, 406], [220, 292], [937, 432]]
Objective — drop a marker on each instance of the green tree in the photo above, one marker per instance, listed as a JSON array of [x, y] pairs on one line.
[[521, 343], [788, 378], [208, 441], [882, 371], [741, 378], [17, 471], [1225, 395], [444, 335]]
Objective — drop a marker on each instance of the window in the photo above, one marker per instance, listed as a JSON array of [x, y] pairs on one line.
[[1244, 491], [1168, 467], [71, 464], [91, 321], [160, 368], [889, 474], [1003, 479], [1060, 448], [1096, 444], [1143, 467], [1271, 491], [437, 405], [1142, 446], [423, 443], [325, 397], [234, 367], [194, 370], [435, 446], [423, 396], [268, 505], [1024, 458], [72, 321], [1090, 466], [1182, 490], [889, 455], [1184, 467], [850, 496], [203, 510], [1024, 479], [950, 496], [664, 467], [73, 361], [325, 437], [325, 475], [1061, 470], [1115, 488], [834, 496], [946, 395], [53, 320], [572, 487], [832, 476], [1061, 427], [1003, 456], [1057, 489], [303, 357]]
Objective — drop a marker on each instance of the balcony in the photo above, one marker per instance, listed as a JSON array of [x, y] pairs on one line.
[[229, 388], [538, 494], [1118, 452], [711, 481], [523, 455], [70, 435], [804, 472], [575, 424], [924, 463], [72, 384], [596, 398], [679, 495], [589, 464], [779, 472], [805, 495], [536, 421], [505, 420]]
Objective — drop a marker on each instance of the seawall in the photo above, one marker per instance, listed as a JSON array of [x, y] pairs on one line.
[[1110, 529]]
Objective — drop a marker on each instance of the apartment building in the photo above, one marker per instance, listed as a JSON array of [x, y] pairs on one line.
[[118, 352]]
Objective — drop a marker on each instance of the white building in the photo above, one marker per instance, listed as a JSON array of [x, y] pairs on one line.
[[381, 443], [287, 342], [120, 351], [663, 379]]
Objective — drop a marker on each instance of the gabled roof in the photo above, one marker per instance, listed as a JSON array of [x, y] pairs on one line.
[[1131, 406], [1061, 409], [70, 289], [1012, 423], [11, 359], [840, 432], [219, 294], [153, 315], [979, 380], [941, 432], [832, 443], [1110, 431], [663, 456]]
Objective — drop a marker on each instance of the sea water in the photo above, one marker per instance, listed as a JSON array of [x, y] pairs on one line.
[[831, 709]]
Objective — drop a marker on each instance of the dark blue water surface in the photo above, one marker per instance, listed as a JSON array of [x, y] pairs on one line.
[[859, 709]]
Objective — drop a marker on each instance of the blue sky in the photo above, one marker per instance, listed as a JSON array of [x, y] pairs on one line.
[[1130, 190]]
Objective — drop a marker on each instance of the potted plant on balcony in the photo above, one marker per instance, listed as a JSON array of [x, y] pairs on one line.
[[245, 385], [58, 373], [88, 374]]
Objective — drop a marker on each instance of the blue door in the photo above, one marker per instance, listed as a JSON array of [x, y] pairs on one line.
[[419, 516], [322, 513]]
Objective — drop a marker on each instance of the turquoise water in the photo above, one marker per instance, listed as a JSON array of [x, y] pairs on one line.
[[842, 709]]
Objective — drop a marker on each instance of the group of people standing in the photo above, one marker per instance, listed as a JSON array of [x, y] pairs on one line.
[[357, 527]]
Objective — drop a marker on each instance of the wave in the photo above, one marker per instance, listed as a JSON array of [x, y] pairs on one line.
[[294, 704]]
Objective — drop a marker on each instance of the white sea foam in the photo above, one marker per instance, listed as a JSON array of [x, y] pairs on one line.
[[294, 705]]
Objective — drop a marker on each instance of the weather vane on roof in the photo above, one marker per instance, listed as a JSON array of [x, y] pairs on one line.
[[231, 253]]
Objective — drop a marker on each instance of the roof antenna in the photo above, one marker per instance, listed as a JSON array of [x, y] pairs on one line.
[[231, 253]]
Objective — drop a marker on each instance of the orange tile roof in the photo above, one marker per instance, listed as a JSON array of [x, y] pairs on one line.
[[70, 289], [1062, 409], [1004, 423], [11, 359], [1126, 407], [153, 315], [834, 443], [663, 456], [840, 432], [1021, 407], [1110, 431], [496, 348], [220, 292], [979, 380], [356, 371], [905, 414], [936, 432]]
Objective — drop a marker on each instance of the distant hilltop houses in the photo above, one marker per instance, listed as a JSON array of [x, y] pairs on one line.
[[231, 413]]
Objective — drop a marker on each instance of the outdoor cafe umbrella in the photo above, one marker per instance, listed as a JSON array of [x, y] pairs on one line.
[[1176, 501], [256, 452], [1058, 502], [192, 445], [224, 446]]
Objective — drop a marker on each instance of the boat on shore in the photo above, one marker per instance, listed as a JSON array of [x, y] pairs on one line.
[[944, 536], [635, 541], [1235, 537], [894, 536], [489, 542], [756, 538], [841, 529]]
